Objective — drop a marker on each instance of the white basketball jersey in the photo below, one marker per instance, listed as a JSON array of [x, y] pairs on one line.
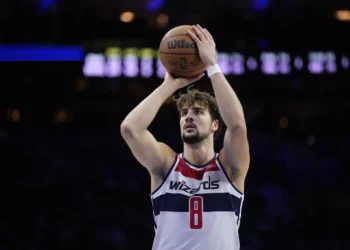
[[196, 208]]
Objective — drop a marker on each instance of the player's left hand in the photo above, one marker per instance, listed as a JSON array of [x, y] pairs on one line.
[[205, 44]]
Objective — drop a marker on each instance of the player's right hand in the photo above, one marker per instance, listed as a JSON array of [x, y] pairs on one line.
[[180, 82]]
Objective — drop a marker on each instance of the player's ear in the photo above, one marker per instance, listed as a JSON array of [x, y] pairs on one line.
[[215, 125]]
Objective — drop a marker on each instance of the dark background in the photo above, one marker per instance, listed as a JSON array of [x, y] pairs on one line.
[[70, 181]]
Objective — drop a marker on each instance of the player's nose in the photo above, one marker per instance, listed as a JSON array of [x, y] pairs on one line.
[[188, 118]]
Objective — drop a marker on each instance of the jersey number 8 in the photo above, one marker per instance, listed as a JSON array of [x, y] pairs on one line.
[[196, 212]]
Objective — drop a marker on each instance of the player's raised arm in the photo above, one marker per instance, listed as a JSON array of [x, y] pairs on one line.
[[134, 129], [235, 153]]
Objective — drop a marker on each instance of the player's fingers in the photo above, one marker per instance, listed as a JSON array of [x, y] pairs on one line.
[[208, 34], [193, 36], [203, 32], [199, 33]]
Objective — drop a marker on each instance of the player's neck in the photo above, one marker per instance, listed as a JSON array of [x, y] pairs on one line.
[[199, 154]]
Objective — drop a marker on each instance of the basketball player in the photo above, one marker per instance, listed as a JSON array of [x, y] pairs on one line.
[[197, 195]]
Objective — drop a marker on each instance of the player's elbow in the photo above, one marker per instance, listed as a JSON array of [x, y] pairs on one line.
[[126, 131], [238, 126]]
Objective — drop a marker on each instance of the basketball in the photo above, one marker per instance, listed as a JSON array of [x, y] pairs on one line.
[[179, 54]]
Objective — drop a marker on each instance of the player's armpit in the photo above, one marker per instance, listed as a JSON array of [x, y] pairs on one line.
[[153, 155]]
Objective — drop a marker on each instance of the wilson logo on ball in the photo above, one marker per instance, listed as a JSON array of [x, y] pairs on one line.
[[178, 44]]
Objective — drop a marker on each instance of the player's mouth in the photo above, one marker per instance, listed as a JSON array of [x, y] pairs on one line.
[[190, 126]]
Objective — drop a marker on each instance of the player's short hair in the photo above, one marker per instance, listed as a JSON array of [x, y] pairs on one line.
[[206, 100]]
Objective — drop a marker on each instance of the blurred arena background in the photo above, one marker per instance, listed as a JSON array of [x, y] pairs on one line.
[[72, 70]]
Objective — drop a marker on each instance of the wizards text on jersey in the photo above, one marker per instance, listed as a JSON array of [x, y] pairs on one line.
[[206, 185]]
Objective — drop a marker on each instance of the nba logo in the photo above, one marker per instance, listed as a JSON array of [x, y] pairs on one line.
[[183, 63]]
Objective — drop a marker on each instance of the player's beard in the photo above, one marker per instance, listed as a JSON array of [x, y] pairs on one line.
[[194, 138]]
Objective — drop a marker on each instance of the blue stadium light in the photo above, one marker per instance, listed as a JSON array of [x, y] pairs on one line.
[[154, 5], [45, 4], [20, 53], [261, 5]]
